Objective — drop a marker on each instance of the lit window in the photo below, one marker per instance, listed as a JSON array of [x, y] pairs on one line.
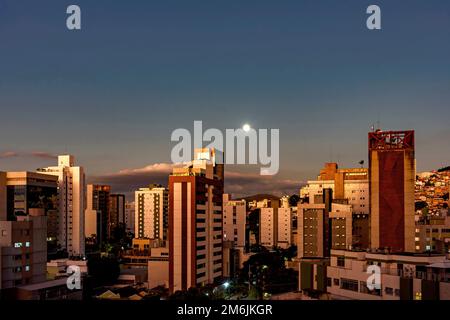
[[18, 245], [27, 268], [27, 244]]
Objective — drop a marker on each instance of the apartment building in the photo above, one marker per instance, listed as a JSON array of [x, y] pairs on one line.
[[195, 222], [151, 212], [23, 251], [401, 277], [234, 220], [71, 204]]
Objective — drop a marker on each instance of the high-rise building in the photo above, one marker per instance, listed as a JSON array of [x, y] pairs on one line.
[[392, 179], [116, 212], [268, 227], [71, 204], [31, 193], [341, 226], [3, 206], [234, 220], [130, 215], [314, 234], [350, 186], [151, 212], [97, 212], [195, 222], [23, 251], [284, 225]]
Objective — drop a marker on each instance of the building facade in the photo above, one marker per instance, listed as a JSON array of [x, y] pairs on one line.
[[31, 193], [71, 204], [234, 220], [392, 176], [130, 216], [401, 276], [195, 222], [116, 212], [23, 251], [97, 212], [151, 212]]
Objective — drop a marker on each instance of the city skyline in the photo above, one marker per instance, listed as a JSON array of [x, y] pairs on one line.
[[112, 93]]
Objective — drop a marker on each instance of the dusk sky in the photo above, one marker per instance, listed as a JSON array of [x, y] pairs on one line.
[[112, 93]]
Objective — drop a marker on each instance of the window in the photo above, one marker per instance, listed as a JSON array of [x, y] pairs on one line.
[[336, 282], [328, 282], [389, 291], [27, 268], [18, 245], [27, 244], [349, 284], [365, 289], [341, 261]]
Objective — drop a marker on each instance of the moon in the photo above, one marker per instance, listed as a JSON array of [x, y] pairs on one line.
[[246, 127]]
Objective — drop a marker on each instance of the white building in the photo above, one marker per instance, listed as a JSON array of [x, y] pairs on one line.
[[268, 227], [401, 276], [71, 198], [234, 220], [196, 226], [355, 191], [151, 212], [284, 234]]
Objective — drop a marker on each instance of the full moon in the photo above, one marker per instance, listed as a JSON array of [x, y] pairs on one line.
[[246, 127]]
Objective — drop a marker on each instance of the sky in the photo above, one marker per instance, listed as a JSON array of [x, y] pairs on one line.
[[112, 93]]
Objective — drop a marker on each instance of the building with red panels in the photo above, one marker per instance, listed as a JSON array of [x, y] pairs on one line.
[[392, 176], [195, 222]]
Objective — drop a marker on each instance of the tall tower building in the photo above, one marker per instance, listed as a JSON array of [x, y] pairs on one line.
[[130, 215], [97, 213], [31, 193], [234, 220], [392, 177], [350, 186], [195, 222], [116, 212], [313, 227], [151, 212], [71, 204]]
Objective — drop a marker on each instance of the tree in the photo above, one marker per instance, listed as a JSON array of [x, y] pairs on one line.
[[266, 272], [420, 205], [293, 200], [104, 271]]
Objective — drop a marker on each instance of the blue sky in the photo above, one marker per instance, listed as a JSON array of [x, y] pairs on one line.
[[112, 93]]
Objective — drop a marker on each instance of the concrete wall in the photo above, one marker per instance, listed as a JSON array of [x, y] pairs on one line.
[[158, 274]]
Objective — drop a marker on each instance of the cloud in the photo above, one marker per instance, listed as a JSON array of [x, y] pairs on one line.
[[8, 154], [33, 154], [43, 155], [244, 184], [237, 183]]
